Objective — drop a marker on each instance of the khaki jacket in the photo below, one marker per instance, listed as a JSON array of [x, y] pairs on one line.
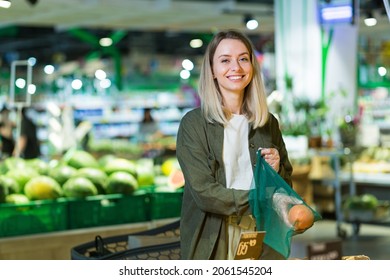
[[206, 201]]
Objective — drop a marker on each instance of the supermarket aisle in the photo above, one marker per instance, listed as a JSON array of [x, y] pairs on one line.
[[372, 240]]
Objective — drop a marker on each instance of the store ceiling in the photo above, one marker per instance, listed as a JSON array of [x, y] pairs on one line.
[[172, 15], [41, 27]]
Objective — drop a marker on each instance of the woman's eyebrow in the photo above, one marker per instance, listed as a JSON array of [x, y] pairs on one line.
[[229, 55]]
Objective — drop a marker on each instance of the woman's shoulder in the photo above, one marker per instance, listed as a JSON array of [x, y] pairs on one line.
[[194, 112], [272, 119], [193, 120], [193, 115], [272, 122]]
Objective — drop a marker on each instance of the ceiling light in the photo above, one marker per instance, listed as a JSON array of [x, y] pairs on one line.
[[370, 20], [100, 74], [185, 74], [382, 71], [20, 83], [105, 42], [187, 64], [106, 83], [31, 89], [196, 43], [77, 84], [5, 4], [250, 22], [49, 69]]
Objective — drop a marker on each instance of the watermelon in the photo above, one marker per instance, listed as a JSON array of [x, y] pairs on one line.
[[120, 164], [103, 160], [42, 187], [145, 172], [22, 176], [41, 166], [8, 186], [79, 159], [62, 173], [79, 187], [121, 182], [97, 176], [363, 202], [176, 179], [16, 198], [12, 163], [369, 201]]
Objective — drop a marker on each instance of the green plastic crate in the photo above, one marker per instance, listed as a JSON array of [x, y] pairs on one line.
[[165, 204], [105, 210], [39, 216]]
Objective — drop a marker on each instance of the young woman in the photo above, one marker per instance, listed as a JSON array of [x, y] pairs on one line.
[[216, 148]]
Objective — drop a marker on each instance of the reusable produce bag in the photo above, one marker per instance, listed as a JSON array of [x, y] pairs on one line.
[[270, 199]]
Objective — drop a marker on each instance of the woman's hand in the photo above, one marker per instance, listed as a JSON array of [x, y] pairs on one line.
[[271, 156]]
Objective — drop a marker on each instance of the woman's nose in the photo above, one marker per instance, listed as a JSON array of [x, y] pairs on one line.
[[235, 65]]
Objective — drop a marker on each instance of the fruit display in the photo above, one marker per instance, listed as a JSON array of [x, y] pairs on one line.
[[79, 174], [365, 208], [371, 160], [362, 202], [80, 190]]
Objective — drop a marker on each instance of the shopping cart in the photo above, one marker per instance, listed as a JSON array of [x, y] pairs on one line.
[[165, 238]]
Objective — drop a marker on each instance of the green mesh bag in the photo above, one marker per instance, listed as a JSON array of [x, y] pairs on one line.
[[270, 199]]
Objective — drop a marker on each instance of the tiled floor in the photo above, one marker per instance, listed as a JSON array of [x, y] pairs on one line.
[[371, 240]]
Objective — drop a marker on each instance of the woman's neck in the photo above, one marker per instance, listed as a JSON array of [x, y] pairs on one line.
[[233, 102]]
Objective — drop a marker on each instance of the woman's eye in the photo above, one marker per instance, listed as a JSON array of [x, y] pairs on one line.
[[224, 60], [244, 59]]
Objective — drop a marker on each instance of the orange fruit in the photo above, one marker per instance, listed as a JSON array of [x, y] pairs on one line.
[[301, 217]]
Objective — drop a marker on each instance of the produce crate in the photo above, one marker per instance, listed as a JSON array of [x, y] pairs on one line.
[[165, 204], [109, 209], [33, 217]]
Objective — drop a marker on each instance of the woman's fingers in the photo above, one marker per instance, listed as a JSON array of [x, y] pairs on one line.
[[271, 156]]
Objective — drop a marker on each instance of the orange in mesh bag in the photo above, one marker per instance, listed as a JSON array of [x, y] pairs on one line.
[[277, 208]]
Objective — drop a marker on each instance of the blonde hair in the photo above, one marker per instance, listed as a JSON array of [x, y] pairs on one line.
[[255, 101]]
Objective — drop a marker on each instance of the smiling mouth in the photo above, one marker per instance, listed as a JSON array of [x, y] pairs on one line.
[[236, 77]]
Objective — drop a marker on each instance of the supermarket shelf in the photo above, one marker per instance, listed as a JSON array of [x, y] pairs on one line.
[[382, 179]]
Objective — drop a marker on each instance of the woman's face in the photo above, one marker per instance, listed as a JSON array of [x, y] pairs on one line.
[[232, 67]]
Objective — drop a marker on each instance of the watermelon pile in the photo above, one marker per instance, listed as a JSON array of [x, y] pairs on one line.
[[79, 174]]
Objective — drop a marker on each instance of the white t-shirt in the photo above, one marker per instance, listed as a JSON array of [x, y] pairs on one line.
[[236, 156], [238, 168]]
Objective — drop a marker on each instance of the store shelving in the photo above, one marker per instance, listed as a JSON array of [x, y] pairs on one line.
[[374, 183]]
